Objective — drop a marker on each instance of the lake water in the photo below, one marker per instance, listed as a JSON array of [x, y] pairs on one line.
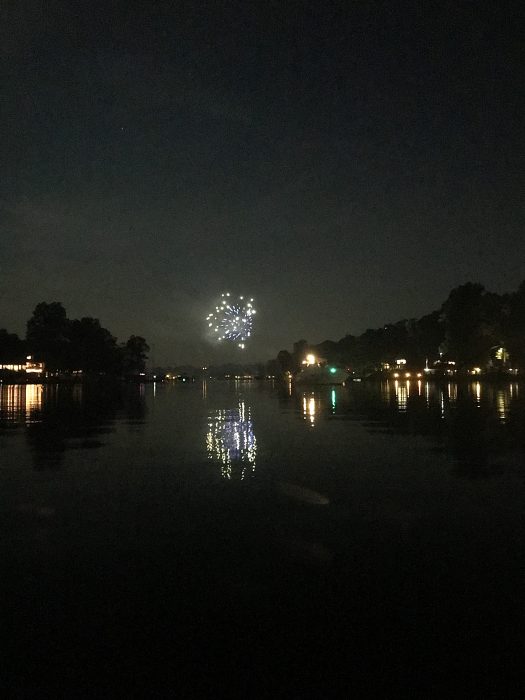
[[217, 538]]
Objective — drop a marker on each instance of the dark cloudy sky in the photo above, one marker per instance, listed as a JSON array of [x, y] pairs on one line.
[[346, 164]]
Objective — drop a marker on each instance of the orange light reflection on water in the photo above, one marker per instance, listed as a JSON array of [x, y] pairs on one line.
[[20, 401]]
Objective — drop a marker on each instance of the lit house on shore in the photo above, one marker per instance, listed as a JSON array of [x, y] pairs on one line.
[[29, 366]]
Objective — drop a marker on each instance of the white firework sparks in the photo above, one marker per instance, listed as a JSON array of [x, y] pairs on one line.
[[232, 319]]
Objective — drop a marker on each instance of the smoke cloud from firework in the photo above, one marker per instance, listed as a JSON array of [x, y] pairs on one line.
[[232, 320]]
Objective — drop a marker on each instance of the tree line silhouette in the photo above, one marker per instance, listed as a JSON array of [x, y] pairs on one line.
[[469, 328], [72, 345]]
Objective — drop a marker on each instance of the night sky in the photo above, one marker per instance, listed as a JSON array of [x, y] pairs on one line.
[[346, 164]]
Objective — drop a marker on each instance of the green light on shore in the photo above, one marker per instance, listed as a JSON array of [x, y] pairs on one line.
[[333, 370]]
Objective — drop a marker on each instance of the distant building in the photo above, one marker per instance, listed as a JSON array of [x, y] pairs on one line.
[[29, 366], [13, 367]]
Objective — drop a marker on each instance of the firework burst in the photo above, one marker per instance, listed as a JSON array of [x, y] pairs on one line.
[[232, 320]]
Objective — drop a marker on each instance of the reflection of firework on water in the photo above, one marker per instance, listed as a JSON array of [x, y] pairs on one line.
[[232, 319], [231, 440]]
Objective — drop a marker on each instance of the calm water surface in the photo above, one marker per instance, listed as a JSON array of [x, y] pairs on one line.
[[368, 538]]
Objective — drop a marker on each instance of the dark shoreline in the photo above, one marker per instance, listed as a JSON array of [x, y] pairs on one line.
[[458, 379], [89, 379], [108, 379]]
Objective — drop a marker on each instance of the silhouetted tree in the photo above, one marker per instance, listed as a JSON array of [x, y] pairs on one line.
[[429, 334], [285, 361], [80, 344], [473, 322], [300, 349], [134, 355], [329, 350], [92, 347], [47, 334], [515, 336], [347, 349], [12, 348]]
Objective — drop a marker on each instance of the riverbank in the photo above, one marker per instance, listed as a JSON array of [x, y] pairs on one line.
[[22, 378], [495, 378]]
